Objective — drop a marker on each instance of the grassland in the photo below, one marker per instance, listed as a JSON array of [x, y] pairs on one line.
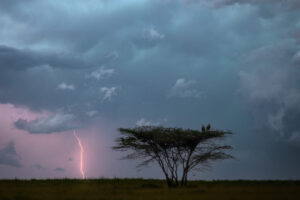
[[100, 189]]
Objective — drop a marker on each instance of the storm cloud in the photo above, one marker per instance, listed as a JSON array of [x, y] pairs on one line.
[[9, 156], [271, 87], [59, 169], [232, 63], [54, 123]]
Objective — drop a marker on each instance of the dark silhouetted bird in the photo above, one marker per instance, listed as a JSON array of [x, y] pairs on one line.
[[208, 127], [203, 128]]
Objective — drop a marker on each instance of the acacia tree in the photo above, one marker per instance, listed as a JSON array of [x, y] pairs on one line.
[[177, 151]]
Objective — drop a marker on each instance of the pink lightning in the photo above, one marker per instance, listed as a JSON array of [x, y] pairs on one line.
[[81, 154]]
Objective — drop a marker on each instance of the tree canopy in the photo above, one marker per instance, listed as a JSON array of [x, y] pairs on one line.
[[177, 151]]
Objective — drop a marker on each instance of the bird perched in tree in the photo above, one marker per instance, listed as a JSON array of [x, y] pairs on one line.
[[203, 128], [208, 127]]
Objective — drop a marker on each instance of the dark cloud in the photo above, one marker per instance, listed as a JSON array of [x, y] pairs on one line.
[[266, 8], [17, 59], [9, 156], [59, 169], [295, 33], [8, 5], [290, 4], [38, 166], [271, 86], [54, 123]]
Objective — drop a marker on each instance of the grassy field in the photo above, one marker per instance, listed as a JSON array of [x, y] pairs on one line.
[[130, 189]]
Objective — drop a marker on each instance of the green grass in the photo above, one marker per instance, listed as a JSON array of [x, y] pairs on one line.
[[100, 189]]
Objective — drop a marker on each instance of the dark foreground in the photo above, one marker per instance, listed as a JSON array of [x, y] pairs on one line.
[[146, 189]]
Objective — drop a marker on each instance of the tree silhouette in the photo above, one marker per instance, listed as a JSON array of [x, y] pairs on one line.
[[177, 151]]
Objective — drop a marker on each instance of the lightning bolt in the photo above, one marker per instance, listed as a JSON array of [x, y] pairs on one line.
[[81, 154]]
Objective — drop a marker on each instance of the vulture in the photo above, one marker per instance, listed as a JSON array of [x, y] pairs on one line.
[[203, 128], [208, 127]]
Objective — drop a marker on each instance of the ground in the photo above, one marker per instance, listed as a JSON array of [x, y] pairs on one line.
[[106, 189]]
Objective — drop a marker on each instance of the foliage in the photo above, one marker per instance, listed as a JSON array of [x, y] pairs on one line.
[[173, 149]]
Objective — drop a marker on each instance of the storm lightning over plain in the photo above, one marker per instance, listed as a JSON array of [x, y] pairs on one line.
[[98, 65]]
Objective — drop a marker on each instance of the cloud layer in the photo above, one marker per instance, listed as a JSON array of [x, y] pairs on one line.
[[232, 63], [54, 123]]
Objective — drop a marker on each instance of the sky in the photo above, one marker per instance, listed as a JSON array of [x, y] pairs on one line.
[[93, 66]]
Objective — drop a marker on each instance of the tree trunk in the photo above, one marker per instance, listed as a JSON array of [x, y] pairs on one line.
[[176, 182], [169, 183], [184, 178]]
